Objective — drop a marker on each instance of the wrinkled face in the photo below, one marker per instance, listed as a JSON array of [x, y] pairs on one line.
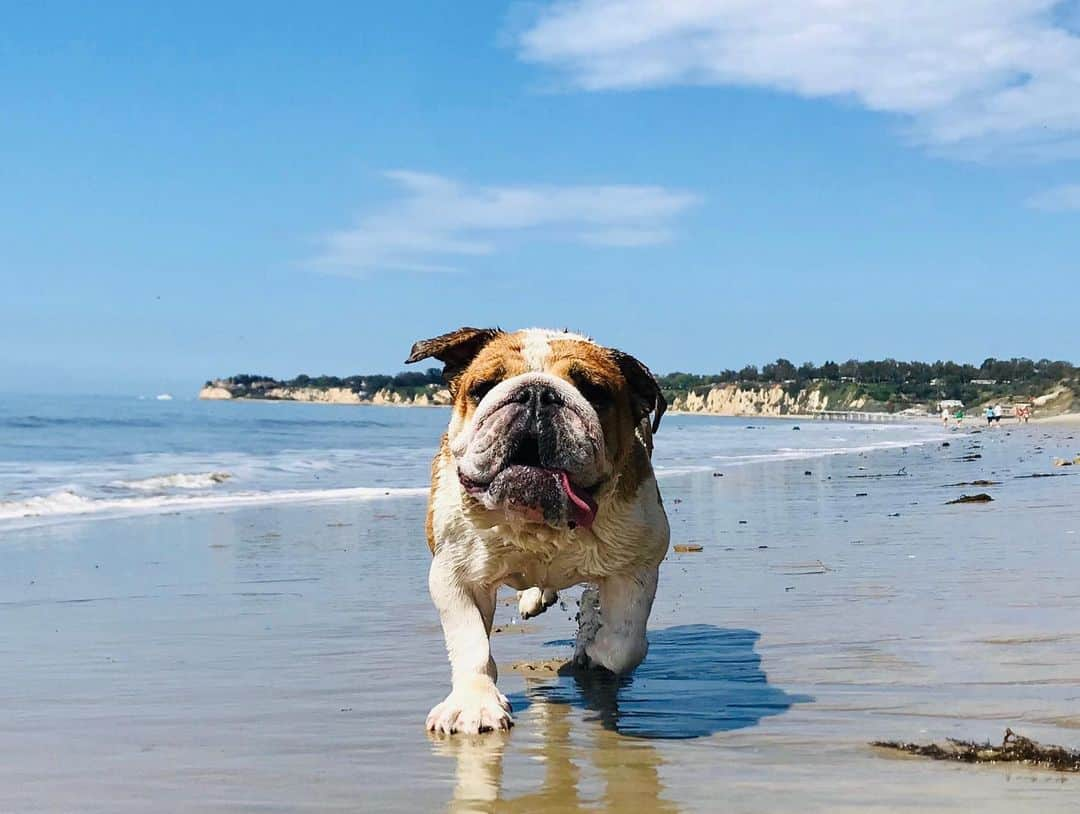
[[541, 422]]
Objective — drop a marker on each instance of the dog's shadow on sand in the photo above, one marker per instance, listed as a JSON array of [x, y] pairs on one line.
[[697, 680]]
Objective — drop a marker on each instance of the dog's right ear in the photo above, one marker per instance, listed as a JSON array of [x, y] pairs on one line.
[[455, 349]]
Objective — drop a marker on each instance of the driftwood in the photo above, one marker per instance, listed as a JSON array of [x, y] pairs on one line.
[[1013, 749]]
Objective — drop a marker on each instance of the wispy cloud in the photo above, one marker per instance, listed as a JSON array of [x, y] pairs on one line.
[[973, 76], [1065, 198], [437, 220]]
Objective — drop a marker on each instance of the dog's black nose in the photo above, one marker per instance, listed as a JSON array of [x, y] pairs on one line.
[[548, 395], [538, 395]]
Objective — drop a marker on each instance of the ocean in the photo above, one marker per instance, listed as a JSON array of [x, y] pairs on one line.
[[97, 456]]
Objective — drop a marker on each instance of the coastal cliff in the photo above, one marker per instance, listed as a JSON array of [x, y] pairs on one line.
[[773, 400], [764, 400], [425, 396]]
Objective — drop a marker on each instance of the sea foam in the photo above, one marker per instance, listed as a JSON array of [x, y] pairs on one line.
[[66, 503], [177, 480]]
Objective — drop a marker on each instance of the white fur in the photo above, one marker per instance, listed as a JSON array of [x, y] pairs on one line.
[[466, 611], [535, 601], [536, 345], [536, 349]]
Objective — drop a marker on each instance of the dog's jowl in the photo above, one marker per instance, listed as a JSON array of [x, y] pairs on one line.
[[543, 480]]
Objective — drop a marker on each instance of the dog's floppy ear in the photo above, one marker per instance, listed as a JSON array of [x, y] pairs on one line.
[[645, 393], [455, 349]]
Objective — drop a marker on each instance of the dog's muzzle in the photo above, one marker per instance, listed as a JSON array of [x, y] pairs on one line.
[[534, 455]]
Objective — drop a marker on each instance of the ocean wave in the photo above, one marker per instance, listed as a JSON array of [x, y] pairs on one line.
[[673, 471], [67, 503], [177, 480]]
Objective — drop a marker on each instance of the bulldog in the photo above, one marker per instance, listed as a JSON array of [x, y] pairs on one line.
[[543, 480]]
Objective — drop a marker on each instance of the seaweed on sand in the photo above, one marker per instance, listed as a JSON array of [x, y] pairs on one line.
[[1013, 749]]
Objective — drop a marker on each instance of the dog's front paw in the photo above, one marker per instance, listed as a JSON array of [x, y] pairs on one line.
[[472, 709], [534, 601]]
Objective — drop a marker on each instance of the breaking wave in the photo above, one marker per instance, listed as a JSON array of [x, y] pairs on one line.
[[178, 480], [68, 503]]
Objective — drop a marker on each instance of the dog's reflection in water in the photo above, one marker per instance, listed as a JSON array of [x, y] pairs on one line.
[[697, 680], [627, 768]]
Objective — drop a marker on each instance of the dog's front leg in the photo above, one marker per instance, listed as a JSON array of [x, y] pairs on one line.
[[466, 611], [612, 624]]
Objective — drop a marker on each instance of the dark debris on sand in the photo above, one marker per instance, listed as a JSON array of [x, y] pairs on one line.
[[1013, 749], [900, 473], [982, 497]]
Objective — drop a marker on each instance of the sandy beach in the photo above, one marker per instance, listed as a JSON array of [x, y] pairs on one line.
[[1064, 418], [282, 658]]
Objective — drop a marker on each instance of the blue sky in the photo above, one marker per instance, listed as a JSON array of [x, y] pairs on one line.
[[220, 188]]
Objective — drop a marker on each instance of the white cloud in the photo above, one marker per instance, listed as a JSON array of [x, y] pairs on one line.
[[438, 219], [1065, 198], [981, 76]]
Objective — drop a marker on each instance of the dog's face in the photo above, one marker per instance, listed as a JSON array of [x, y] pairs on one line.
[[543, 422]]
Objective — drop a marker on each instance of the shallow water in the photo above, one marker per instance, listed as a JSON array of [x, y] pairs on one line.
[[283, 658]]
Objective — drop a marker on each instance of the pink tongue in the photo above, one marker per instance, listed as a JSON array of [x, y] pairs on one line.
[[584, 507]]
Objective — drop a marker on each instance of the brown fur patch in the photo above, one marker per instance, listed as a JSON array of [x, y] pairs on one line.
[[574, 360], [500, 359], [455, 350]]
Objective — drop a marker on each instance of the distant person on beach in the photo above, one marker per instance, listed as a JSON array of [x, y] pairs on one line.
[[945, 416], [989, 416]]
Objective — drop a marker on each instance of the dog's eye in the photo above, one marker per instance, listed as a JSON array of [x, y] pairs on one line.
[[597, 395], [481, 389]]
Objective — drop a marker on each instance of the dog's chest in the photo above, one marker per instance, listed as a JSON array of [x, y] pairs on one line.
[[535, 557]]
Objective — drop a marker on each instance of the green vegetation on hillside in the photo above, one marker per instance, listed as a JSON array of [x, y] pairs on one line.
[[407, 384], [892, 383]]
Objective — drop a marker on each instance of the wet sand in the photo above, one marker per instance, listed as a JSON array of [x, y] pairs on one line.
[[284, 658]]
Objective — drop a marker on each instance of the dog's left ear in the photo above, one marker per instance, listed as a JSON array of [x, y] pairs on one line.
[[645, 393], [455, 350]]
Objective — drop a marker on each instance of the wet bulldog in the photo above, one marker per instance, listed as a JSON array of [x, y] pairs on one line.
[[543, 480]]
